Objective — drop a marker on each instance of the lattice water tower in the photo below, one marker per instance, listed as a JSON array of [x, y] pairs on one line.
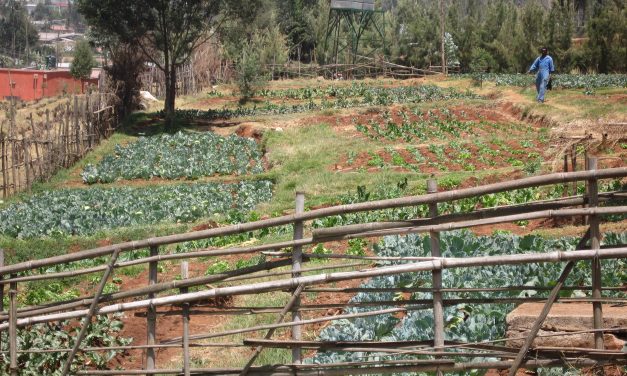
[[348, 20]]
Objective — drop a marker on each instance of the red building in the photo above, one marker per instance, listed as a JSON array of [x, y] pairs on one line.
[[29, 85]]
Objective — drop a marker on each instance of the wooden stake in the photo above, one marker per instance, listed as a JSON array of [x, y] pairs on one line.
[[151, 315], [436, 275], [565, 191], [13, 329], [537, 325], [595, 244], [90, 313], [14, 172], [27, 166], [297, 259], [39, 161], [5, 184], [48, 147], [66, 140], [288, 307], [185, 290], [77, 130], [573, 162]]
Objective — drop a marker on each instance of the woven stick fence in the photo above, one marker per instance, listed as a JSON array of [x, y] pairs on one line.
[[147, 301], [33, 149]]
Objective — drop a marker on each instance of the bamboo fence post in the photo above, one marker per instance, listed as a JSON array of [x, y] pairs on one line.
[[90, 313], [77, 130], [37, 154], [13, 328], [595, 244], [185, 290], [553, 296], [288, 307], [573, 161], [26, 152], [436, 275], [4, 169], [297, 258], [58, 139], [565, 191], [151, 314], [48, 147], [84, 127], [586, 221], [10, 148], [66, 143], [14, 171], [88, 121]]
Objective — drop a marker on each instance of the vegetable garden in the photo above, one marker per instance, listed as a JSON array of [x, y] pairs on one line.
[[353, 96], [86, 211], [182, 155], [560, 81], [443, 140], [402, 264], [364, 170]]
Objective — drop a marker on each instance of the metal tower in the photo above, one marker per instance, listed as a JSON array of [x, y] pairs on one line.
[[352, 17]]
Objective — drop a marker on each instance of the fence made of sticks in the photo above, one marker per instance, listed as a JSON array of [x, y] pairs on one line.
[[347, 71], [191, 81], [167, 295], [35, 146]]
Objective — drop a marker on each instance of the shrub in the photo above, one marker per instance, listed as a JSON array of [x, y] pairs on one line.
[[83, 61], [250, 76]]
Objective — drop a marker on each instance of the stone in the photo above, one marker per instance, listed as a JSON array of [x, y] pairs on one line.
[[564, 318]]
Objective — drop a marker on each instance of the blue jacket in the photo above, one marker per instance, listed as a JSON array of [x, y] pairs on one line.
[[543, 64]]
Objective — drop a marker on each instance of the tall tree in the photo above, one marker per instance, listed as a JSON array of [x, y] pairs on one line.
[[166, 31], [607, 32], [17, 33], [83, 61], [297, 26]]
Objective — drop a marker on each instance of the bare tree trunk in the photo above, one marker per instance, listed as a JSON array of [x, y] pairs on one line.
[[170, 97], [170, 94]]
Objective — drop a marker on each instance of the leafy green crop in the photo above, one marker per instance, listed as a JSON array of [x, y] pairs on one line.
[[85, 211], [188, 155], [369, 96], [104, 332], [563, 81], [464, 322]]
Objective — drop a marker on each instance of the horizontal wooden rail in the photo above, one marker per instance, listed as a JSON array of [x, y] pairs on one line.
[[352, 231], [534, 181], [436, 264], [410, 305], [176, 284], [412, 229], [498, 211]]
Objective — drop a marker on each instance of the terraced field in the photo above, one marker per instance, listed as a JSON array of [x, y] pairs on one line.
[[340, 143]]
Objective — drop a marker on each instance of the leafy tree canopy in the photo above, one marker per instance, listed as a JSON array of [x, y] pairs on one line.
[[166, 31], [83, 61]]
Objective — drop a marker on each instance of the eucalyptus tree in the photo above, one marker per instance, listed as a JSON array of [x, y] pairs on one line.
[[166, 31]]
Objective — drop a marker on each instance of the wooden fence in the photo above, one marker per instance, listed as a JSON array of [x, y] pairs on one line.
[[32, 149], [149, 300], [190, 81]]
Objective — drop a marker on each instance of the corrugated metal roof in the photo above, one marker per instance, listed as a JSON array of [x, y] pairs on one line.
[[353, 4]]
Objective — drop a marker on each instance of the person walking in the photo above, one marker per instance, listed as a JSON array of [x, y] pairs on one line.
[[544, 66]]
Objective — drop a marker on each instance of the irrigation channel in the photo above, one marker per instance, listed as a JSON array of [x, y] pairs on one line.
[[443, 356]]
